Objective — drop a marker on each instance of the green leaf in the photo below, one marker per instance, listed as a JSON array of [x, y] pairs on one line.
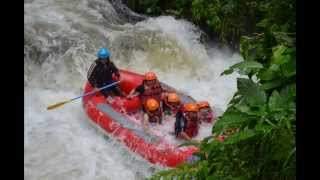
[[264, 128], [280, 115], [242, 106], [164, 173], [192, 142], [249, 65], [235, 99], [283, 38], [227, 72], [213, 145], [289, 91], [274, 67], [279, 55], [292, 152], [240, 178], [240, 136], [251, 92], [283, 59], [263, 23], [207, 139], [257, 111], [230, 119], [289, 69], [267, 74], [276, 102], [271, 84], [204, 170], [245, 67]]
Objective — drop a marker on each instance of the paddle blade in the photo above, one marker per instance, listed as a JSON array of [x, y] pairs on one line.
[[53, 106]]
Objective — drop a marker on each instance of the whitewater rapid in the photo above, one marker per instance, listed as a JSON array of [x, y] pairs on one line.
[[61, 40]]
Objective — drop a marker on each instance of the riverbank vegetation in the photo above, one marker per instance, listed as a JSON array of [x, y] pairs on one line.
[[264, 107]]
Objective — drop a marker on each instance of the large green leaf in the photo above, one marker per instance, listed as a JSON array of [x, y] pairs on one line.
[[257, 111], [240, 136], [242, 106], [251, 92], [289, 68], [289, 91], [276, 102], [268, 74], [271, 84], [230, 119], [263, 23], [235, 99], [279, 55], [280, 115], [283, 38], [274, 67], [244, 67], [263, 128], [227, 72], [248, 66]]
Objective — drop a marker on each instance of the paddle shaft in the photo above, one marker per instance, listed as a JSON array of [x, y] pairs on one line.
[[53, 106], [94, 91]]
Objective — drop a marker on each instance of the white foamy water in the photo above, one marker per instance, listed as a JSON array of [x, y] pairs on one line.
[[61, 39]]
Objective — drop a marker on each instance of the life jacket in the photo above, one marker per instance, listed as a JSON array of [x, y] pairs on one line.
[[153, 116], [206, 117], [169, 107], [153, 91], [191, 126], [100, 74]]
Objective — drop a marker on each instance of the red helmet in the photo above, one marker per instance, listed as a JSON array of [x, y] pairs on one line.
[[203, 104], [173, 98], [191, 107]]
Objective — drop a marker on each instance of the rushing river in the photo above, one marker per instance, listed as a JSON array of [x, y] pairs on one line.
[[61, 40]]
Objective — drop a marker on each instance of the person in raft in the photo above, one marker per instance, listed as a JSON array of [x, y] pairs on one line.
[[171, 103], [187, 121], [205, 112], [102, 72], [150, 88], [152, 113]]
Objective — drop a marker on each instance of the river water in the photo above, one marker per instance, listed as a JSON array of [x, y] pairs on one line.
[[61, 40]]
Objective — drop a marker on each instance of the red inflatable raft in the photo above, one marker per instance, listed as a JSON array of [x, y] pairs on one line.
[[118, 118]]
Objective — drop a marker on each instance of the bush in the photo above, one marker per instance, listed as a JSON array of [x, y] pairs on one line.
[[264, 107]]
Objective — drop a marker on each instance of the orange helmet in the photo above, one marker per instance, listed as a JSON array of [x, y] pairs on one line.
[[173, 98], [203, 104], [150, 76], [191, 107], [152, 104]]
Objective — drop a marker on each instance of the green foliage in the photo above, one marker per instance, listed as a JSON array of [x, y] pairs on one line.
[[241, 136], [251, 92], [150, 7], [264, 107], [244, 67]]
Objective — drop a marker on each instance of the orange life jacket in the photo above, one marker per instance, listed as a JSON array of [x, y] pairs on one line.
[[153, 91]]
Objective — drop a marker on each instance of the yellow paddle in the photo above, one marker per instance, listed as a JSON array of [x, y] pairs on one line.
[[53, 106], [58, 104]]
